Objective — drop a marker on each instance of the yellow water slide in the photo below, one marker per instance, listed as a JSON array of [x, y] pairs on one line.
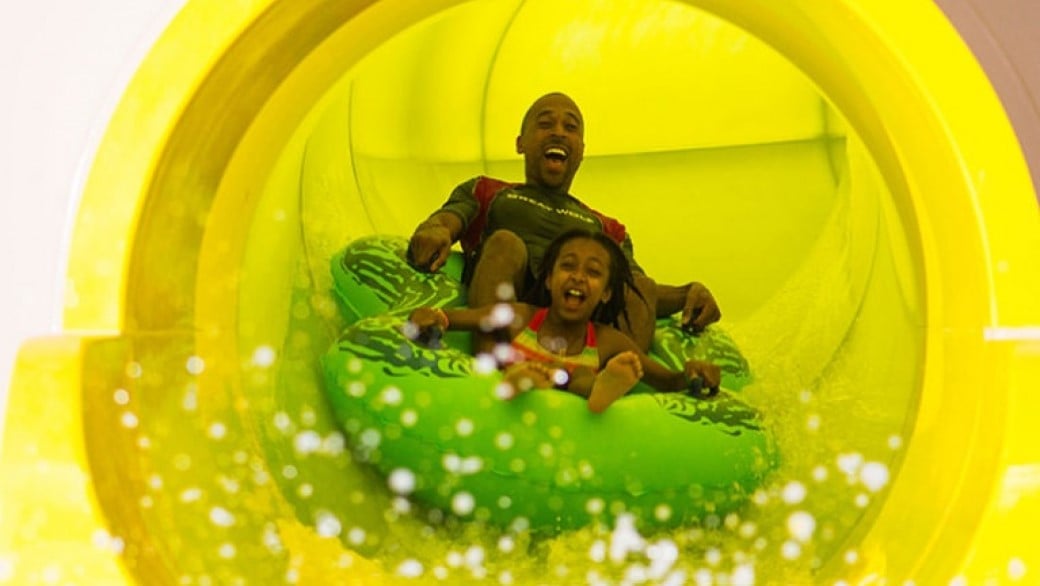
[[841, 173]]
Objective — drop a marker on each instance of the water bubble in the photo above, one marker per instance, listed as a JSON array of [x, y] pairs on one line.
[[794, 493], [356, 389], [748, 530], [625, 538], [334, 444], [713, 557], [504, 440], [812, 423], [221, 517], [505, 292], [474, 557], [594, 506], [190, 495], [463, 503], [263, 356], [134, 370], [505, 391], [305, 490], [453, 559], [1016, 569], [282, 421], [356, 536], [505, 577], [409, 417], [598, 551], [663, 556], [354, 365], [743, 574], [820, 473], [307, 442], [801, 525], [506, 544], [190, 401], [959, 581], [791, 550], [662, 512], [464, 427], [874, 476], [505, 501], [129, 420], [895, 442], [862, 500], [392, 396], [195, 365], [121, 396], [289, 471], [850, 463], [217, 430], [851, 556], [227, 551], [401, 505], [327, 524], [370, 438], [484, 364], [402, 481]]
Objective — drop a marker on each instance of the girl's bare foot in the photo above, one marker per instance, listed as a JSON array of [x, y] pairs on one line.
[[620, 374], [524, 376]]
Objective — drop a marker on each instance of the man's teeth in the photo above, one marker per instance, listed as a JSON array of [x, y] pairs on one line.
[[556, 152], [575, 293]]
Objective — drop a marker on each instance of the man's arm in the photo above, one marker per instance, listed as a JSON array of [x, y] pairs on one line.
[[431, 242], [694, 300]]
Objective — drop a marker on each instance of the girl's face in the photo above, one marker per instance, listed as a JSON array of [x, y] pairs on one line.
[[578, 280]]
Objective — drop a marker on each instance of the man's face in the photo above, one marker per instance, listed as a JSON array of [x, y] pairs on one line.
[[552, 142]]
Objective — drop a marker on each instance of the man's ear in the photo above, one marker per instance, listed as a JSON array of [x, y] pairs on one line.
[[519, 146]]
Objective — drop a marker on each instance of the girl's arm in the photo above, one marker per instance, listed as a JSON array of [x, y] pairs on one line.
[[696, 374], [472, 319]]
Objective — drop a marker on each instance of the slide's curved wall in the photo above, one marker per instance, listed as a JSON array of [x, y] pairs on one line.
[[842, 176]]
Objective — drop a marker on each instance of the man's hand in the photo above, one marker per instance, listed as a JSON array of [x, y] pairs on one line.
[[700, 309], [704, 377], [429, 247]]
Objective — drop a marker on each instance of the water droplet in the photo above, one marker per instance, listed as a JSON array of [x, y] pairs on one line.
[[874, 476], [327, 524], [410, 568], [128, 420], [227, 551], [801, 525], [402, 481], [463, 503], [1016, 569], [195, 365], [392, 396], [307, 442], [794, 493], [217, 430], [221, 517], [464, 427], [791, 550], [264, 356], [356, 536], [121, 396]]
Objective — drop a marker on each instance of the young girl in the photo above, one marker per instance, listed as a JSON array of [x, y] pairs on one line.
[[572, 342]]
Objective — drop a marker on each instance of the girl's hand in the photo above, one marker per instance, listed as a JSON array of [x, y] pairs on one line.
[[703, 377], [426, 325]]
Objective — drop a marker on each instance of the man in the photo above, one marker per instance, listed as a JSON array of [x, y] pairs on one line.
[[505, 227]]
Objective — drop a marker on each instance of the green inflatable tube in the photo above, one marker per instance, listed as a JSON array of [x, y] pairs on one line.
[[430, 421]]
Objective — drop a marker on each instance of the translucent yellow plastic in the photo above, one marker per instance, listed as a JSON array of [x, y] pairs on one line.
[[149, 443]]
